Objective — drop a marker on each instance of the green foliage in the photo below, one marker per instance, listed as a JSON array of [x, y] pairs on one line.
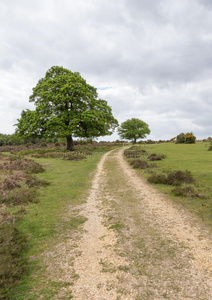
[[66, 107], [187, 138], [133, 129]]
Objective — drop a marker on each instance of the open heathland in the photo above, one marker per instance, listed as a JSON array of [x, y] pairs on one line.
[[97, 229]]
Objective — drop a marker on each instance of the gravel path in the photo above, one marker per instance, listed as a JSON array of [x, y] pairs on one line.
[[136, 244]]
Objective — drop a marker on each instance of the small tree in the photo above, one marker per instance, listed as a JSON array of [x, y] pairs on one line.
[[133, 129], [66, 107]]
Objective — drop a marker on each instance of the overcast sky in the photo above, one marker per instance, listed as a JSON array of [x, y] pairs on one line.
[[149, 59]]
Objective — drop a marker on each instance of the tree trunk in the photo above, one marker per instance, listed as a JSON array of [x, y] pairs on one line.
[[70, 143], [135, 140]]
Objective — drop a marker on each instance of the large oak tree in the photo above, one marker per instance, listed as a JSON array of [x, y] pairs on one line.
[[66, 106]]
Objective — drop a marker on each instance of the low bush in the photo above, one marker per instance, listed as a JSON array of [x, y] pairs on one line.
[[74, 156], [158, 179], [186, 192], [10, 183], [32, 181], [23, 164], [178, 177], [153, 157], [175, 178], [43, 144], [133, 153], [19, 196], [139, 164]]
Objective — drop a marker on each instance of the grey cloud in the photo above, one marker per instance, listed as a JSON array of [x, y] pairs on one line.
[[154, 55]]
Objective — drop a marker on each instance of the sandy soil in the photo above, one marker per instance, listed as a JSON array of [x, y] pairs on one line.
[[162, 252]]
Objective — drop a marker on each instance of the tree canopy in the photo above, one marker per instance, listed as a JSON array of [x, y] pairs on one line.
[[133, 129], [66, 106]]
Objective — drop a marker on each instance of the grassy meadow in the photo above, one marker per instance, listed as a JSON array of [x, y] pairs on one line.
[[194, 158]]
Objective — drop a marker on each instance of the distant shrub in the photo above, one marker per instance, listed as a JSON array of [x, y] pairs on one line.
[[29, 145], [190, 138], [150, 142], [43, 144], [153, 157], [134, 152], [180, 138], [187, 138], [139, 164], [57, 144], [74, 156]]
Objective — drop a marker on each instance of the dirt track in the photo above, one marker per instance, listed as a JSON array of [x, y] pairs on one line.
[[136, 243]]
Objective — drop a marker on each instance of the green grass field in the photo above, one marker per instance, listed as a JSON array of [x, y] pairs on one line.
[[192, 157]]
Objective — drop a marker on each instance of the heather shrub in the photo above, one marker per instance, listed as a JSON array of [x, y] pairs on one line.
[[32, 181], [153, 157], [186, 192], [74, 156], [139, 164], [133, 152], [10, 183], [173, 178], [12, 263], [26, 165], [158, 179], [43, 144], [178, 177], [19, 196]]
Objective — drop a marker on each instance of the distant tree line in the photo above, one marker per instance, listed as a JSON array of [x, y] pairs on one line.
[[14, 139]]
